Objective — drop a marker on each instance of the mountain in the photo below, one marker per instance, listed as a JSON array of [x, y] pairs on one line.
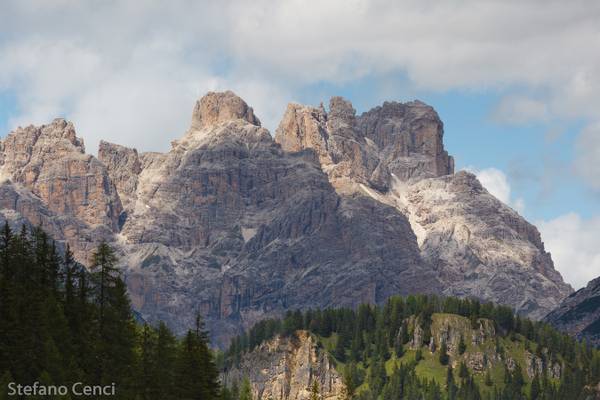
[[579, 314], [395, 155], [336, 210], [415, 347]]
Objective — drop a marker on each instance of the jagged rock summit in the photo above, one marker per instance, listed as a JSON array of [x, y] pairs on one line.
[[337, 210], [216, 107]]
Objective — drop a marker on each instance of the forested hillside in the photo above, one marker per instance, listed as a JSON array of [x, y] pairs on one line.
[[426, 347], [60, 324]]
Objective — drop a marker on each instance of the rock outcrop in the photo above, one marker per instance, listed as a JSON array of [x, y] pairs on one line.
[[286, 368], [338, 210], [579, 314]]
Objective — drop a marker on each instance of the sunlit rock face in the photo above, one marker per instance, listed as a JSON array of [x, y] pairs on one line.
[[229, 224], [394, 153], [337, 210]]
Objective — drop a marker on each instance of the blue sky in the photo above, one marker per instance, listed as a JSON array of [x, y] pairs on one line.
[[516, 85]]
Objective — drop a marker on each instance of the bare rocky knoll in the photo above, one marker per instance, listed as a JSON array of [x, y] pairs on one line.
[[338, 209]]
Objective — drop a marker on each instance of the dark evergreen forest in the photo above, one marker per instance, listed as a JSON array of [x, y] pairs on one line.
[[60, 324]]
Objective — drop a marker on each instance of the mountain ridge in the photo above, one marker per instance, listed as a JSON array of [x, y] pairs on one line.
[[334, 210]]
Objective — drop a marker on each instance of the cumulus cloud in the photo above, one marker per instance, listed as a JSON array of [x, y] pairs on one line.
[[130, 73], [518, 110], [496, 182], [573, 243]]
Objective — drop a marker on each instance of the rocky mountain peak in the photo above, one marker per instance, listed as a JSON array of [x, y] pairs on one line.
[[394, 141], [50, 161], [341, 112], [57, 138], [217, 107]]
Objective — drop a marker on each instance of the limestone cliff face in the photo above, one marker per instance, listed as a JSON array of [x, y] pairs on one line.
[[285, 369], [338, 210], [229, 224], [481, 247], [395, 154], [579, 314]]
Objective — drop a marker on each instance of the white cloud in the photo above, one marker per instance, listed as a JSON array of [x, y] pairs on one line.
[[519, 109], [587, 162], [130, 74], [496, 182], [575, 246]]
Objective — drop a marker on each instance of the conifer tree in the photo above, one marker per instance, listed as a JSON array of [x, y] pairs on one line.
[[105, 274], [196, 374], [246, 390], [315, 393], [462, 346], [418, 355], [165, 362], [147, 379], [444, 358], [488, 378], [535, 390]]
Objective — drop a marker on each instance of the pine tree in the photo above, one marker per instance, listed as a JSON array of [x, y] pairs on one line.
[[463, 371], [418, 355], [246, 390], [488, 378], [444, 358], [340, 349], [350, 381], [165, 363], [462, 346], [147, 379], [117, 341], [116, 329], [105, 273], [315, 393], [450, 385], [196, 374], [535, 391], [377, 375], [398, 347]]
